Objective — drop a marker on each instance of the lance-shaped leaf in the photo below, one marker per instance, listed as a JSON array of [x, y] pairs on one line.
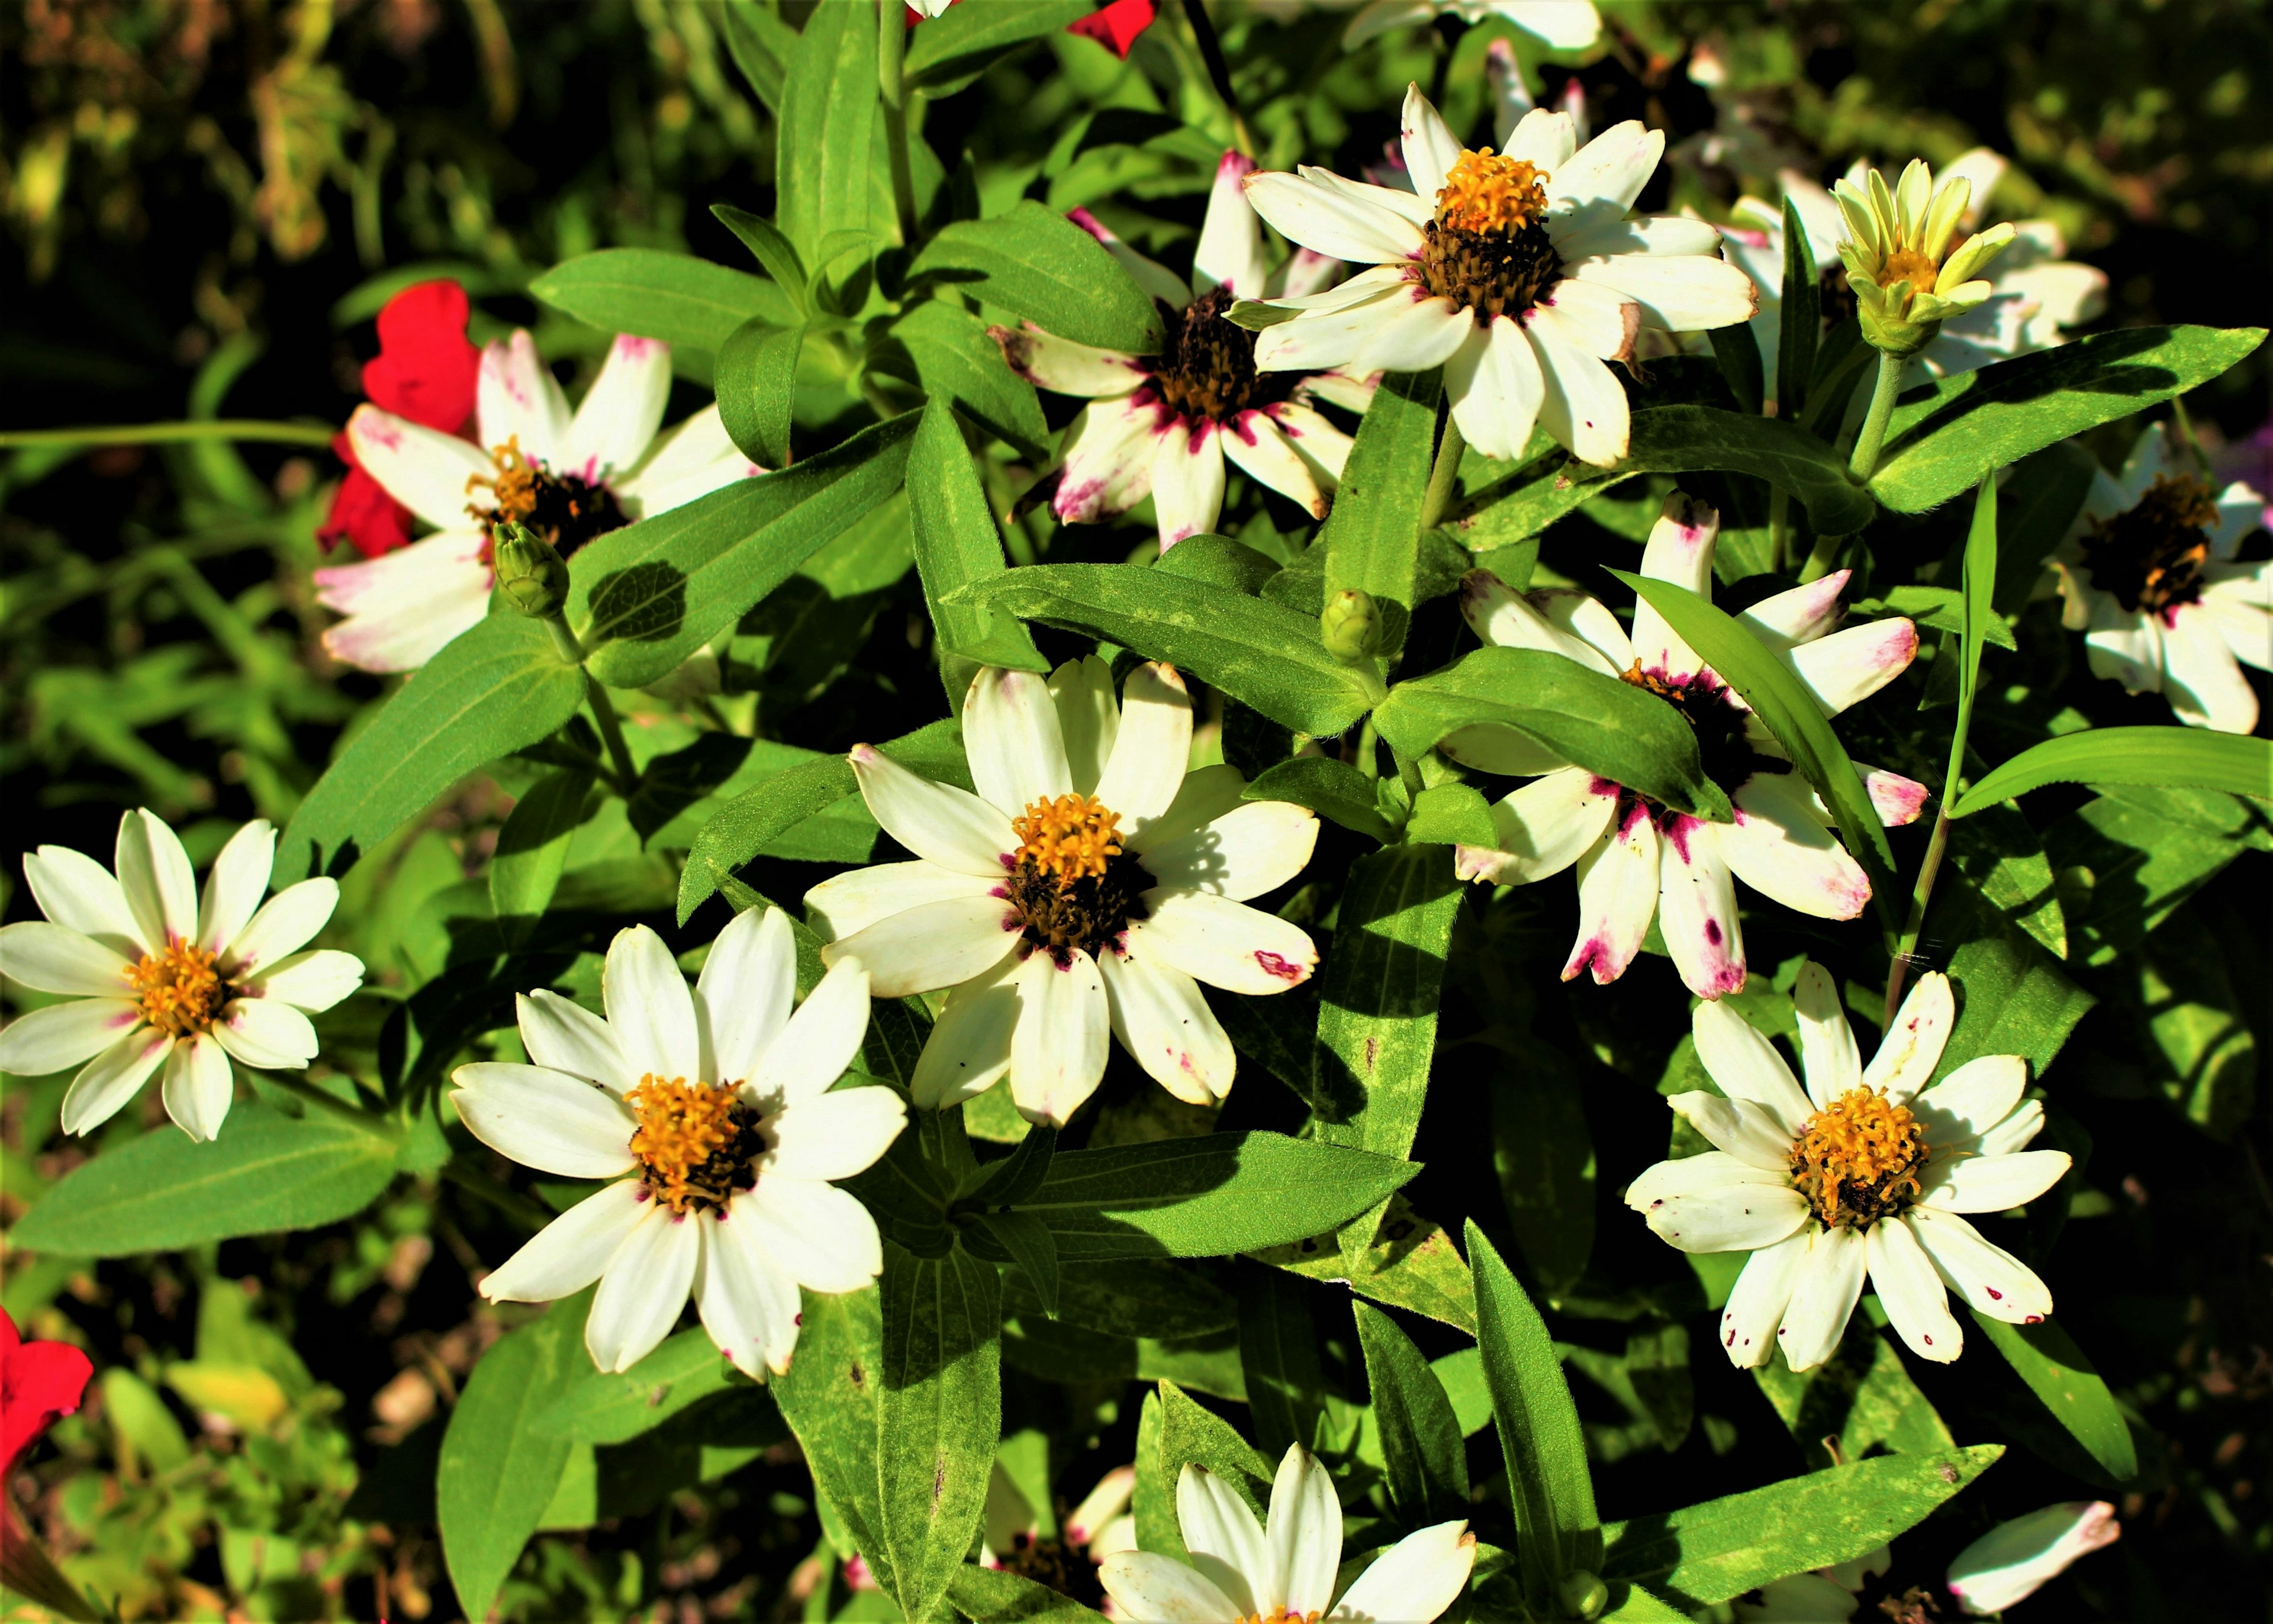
[[1708, 1553], [645, 597], [1191, 1434], [1951, 435], [775, 251], [1331, 789], [959, 44], [1800, 318], [1211, 1196], [1037, 264], [756, 379], [1768, 683], [532, 848], [1372, 537], [2192, 757], [945, 351], [1421, 1439], [1278, 1354], [996, 1595], [2037, 505], [598, 1406], [938, 1414], [957, 544], [1613, 728], [830, 1395], [1557, 1530], [821, 182], [497, 687], [685, 302], [2060, 1373], [1406, 1261], [1262, 654]]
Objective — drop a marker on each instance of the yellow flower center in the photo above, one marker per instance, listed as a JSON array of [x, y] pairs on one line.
[[568, 510], [1068, 839], [695, 1140], [1491, 195], [180, 990], [1856, 1160], [1908, 265]]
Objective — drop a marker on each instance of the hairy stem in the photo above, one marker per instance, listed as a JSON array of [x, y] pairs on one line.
[[603, 712], [1873, 437], [1443, 476]]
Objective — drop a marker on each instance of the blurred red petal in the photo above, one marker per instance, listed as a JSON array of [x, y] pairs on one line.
[[39, 1381], [1116, 26], [425, 368], [365, 514]]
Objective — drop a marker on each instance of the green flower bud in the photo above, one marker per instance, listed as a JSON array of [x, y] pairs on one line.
[[1584, 1595], [1905, 275], [1351, 625], [531, 574]]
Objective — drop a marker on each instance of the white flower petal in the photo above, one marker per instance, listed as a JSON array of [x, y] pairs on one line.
[[831, 1135], [820, 1040], [1256, 847], [1206, 794], [616, 421], [1582, 618], [1911, 1293], [1306, 1535], [1994, 1183], [51, 959], [1826, 1043], [62, 1036], [1829, 1285], [1971, 1100], [1545, 139], [516, 397], [1331, 221], [1108, 452], [570, 1253], [645, 1285], [1495, 388], [1507, 618], [236, 883], [1165, 1025], [1542, 828], [1149, 751], [312, 982], [1010, 734], [403, 637], [1799, 616], [408, 578], [1700, 1174], [1226, 1544], [1416, 1579], [267, 1034], [1747, 1066], [1230, 250], [1676, 293], [112, 1078], [1782, 849], [1505, 752], [1430, 149], [200, 1083], [1320, 341], [1089, 718], [649, 1007], [1255, 441], [815, 1233], [1159, 1589], [1422, 331], [1990, 1280], [845, 904], [694, 460], [1603, 234], [79, 893], [748, 1301], [1583, 406], [565, 1036], [931, 945], [1187, 481], [2201, 677], [1592, 318], [155, 874], [968, 1049], [545, 1120], [1757, 1300], [2015, 1559], [1848, 667], [1618, 898], [1680, 551], [1612, 169], [426, 470], [1063, 367], [1227, 944], [1697, 909], [742, 997], [282, 927], [950, 827], [1751, 1131], [1059, 1049], [1731, 1218], [1913, 1048]]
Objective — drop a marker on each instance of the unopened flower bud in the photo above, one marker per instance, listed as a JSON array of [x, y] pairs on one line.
[[1906, 277], [530, 572], [2008, 1564], [1351, 625], [1584, 1595]]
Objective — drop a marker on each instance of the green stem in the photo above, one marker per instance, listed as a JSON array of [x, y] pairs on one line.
[[366, 1121], [1778, 529], [564, 640], [891, 87], [1368, 753], [603, 712], [1938, 845], [1218, 73], [1443, 476], [1868, 444], [2186, 422], [1820, 557], [173, 433]]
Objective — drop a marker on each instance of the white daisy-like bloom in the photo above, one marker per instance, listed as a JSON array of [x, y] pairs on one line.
[[157, 975], [2035, 291], [713, 1112], [1519, 274], [1011, 1537], [1089, 887], [2149, 577], [2015, 1559], [1559, 25], [569, 477], [1246, 1572], [1636, 858], [1868, 1172], [1163, 424]]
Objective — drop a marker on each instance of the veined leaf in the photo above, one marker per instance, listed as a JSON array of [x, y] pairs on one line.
[[957, 545], [1408, 1261], [756, 379], [828, 115], [997, 1596], [655, 294], [1278, 1355], [597, 1406], [1037, 264], [1953, 434], [1372, 537], [1421, 1439], [497, 687], [830, 1396], [1193, 1435], [953, 48], [1329, 788], [950, 356], [2192, 757], [1801, 316], [775, 251], [937, 1415], [532, 848], [2045, 1357], [1611, 728]]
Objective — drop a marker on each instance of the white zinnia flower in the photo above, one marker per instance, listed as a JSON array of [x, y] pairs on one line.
[[1634, 856], [1243, 1571], [1012, 1540], [1559, 25], [2148, 575], [1090, 883], [716, 1103], [1863, 1173], [1519, 274], [2015, 1559], [155, 975], [569, 478], [1164, 424]]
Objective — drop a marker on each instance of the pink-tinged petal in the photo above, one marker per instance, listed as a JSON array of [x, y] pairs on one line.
[[1676, 293], [1230, 251], [404, 635], [1680, 551], [1227, 944], [1911, 1293], [1542, 828], [616, 421], [407, 579], [1848, 667], [1187, 481], [1511, 619], [1109, 451], [1782, 849], [423, 468], [517, 398], [1697, 903], [1585, 407], [1899, 800], [1992, 1280], [1064, 366], [1319, 443], [1596, 320], [62, 1036], [1331, 221], [1344, 386], [1799, 616], [2015, 1559], [1263, 450], [1162, 1019], [1496, 389], [1617, 897]]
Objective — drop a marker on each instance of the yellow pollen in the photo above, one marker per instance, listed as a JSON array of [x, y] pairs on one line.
[[1908, 265], [682, 1125], [180, 991], [1068, 838], [1490, 195], [514, 487], [1856, 1160]]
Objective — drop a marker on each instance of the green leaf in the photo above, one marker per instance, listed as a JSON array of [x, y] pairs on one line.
[[951, 357], [1209, 1196], [953, 48], [2191, 757], [830, 1395], [1278, 1354], [1261, 654], [996, 1595], [756, 378], [675, 297], [1773, 689], [1135, 1298], [828, 111], [754, 820], [165, 1191], [2045, 1357], [1030, 1244], [2012, 999], [1193, 1435], [597, 1406], [1219, 561], [1399, 1258], [2037, 507], [1331, 789], [1545, 1159], [1557, 1529], [1611, 728], [1801, 316], [1039, 265], [1421, 1439], [1372, 537], [1859, 1401], [1998, 850], [1737, 350], [957, 545], [1630, 1604], [1708, 1553], [2137, 853], [937, 1415], [1954, 433], [495, 688], [759, 42], [774, 250], [498, 1468], [1939, 608], [532, 848], [645, 597], [1452, 814]]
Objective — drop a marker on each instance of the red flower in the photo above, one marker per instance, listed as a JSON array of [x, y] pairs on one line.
[[425, 371], [1116, 26], [39, 1381]]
